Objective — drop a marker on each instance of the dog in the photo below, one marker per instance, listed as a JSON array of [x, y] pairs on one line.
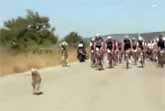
[[36, 82]]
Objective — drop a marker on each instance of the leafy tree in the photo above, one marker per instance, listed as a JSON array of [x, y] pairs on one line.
[[73, 38], [28, 32]]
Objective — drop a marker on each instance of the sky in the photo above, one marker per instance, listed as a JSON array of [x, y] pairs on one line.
[[88, 17]]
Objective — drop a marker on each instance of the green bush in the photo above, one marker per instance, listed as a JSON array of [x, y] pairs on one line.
[[24, 33], [73, 38]]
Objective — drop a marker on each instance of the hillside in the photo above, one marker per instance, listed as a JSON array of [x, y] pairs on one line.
[[147, 36]]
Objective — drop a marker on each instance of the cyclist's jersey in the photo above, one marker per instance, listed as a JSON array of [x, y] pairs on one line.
[[109, 44], [98, 43], [115, 46], [119, 46], [161, 44], [140, 44], [127, 44], [134, 45]]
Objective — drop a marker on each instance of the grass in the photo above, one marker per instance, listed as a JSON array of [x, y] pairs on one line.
[[11, 62]]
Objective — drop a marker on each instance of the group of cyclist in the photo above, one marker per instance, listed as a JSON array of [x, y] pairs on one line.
[[156, 50], [129, 49]]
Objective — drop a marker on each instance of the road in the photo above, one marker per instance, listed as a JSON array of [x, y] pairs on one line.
[[80, 88]]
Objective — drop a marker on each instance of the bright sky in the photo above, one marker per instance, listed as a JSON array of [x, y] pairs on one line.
[[88, 17]]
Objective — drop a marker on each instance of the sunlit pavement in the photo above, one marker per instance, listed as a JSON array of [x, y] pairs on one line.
[[81, 88]]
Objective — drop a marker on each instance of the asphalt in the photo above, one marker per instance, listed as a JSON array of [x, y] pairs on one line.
[[81, 88]]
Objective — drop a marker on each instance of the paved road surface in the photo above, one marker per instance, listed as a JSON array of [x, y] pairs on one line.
[[80, 88]]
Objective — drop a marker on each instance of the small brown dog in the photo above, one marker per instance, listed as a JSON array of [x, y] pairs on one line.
[[36, 82]]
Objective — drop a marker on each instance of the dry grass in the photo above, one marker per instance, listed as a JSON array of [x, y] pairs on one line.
[[11, 63]]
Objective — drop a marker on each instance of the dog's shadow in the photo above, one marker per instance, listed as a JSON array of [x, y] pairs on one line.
[[140, 66], [124, 67], [66, 66], [38, 94]]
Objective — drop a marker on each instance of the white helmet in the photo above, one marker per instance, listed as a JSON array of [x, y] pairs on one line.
[[64, 43], [93, 39], [97, 35], [109, 37], [140, 38], [164, 38], [80, 45], [127, 37]]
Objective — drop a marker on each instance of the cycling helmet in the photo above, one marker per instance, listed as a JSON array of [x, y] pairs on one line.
[[109, 37]]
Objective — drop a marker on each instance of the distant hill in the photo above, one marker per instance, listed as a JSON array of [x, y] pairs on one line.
[[147, 36]]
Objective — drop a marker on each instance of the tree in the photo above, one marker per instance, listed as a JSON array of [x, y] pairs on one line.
[[28, 32], [73, 38]]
